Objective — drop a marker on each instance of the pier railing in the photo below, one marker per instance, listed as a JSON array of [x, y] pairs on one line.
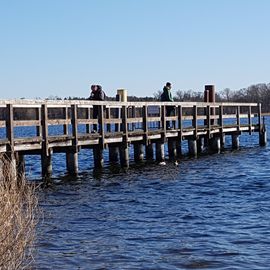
[[67, 126]]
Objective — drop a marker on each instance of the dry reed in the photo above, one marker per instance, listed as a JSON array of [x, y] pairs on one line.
[[18, 218]]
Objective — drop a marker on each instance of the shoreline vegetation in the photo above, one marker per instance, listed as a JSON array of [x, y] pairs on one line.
[[18, 218]]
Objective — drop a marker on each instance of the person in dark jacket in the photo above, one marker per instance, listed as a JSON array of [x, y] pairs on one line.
[[96, 94], [167, 96]]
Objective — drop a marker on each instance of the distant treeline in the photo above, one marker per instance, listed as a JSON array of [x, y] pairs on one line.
[[257, 93]]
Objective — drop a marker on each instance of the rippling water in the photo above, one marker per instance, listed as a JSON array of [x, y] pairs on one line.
[[212, 212]]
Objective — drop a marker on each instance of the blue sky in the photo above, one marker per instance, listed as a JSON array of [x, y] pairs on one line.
[[60, 47]]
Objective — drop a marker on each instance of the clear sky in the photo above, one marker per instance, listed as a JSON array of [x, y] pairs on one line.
[[60, 47]]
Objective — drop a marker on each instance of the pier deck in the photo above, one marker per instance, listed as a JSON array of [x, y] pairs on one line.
[[45, 127]]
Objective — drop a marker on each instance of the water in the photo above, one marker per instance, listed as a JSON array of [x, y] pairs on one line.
[[212, 212]]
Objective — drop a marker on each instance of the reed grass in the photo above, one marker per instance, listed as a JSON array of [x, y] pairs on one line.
[[18, 218]]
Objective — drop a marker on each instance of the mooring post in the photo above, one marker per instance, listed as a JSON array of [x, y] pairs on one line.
[[235, 141], [172, 149], [149, 151], [160, 152], [98, 156], [192, 147], [113, 153], [138, 152]]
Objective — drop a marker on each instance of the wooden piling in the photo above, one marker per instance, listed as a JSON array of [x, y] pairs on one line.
[[98, 156], [46, 165], [138, 152], [72, 162], [149, 151], [192, 147], [160, 152], [124, 155], [215, 144], [235, 141], [113, 153], [172, 149]]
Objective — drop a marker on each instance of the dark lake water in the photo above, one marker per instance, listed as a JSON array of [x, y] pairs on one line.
[[210, 212]]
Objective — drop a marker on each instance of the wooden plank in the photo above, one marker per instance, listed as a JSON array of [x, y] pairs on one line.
[[26, 123], [2, 124], [135, 120]]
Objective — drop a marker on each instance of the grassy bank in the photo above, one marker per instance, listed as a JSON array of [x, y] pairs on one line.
[[18, 218]]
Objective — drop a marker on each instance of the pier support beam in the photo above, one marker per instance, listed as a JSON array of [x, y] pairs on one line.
[[160, 153], [46, 165], [235, 141], [98, 156], [113, 153], [72, 162], [149, 151], [138, 152], [192, 147], [124, 155], [172, 149]]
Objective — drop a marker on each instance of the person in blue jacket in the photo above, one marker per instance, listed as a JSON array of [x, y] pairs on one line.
[[167, 96]]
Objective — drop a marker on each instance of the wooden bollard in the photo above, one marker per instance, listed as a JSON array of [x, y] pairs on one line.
[[235, 141], [149, 151], [72, 162], [138, 152], [98, 156], [160, 152], [172, 149], [124, 155], [113, 153], [192, 147]]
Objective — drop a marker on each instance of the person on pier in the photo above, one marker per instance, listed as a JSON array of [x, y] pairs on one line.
[[96, 94], [167, 96]]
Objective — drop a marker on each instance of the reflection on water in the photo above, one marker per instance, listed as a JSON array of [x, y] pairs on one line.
[[207, 213]]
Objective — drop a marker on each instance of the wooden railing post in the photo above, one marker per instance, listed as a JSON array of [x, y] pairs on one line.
[[72, 153], [194, 121], [65, 126], [124, 152], [249, 120], [10, 129], [46, 155], [238, 118]]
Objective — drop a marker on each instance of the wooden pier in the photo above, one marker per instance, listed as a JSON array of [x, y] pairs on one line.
[[43, 127]]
